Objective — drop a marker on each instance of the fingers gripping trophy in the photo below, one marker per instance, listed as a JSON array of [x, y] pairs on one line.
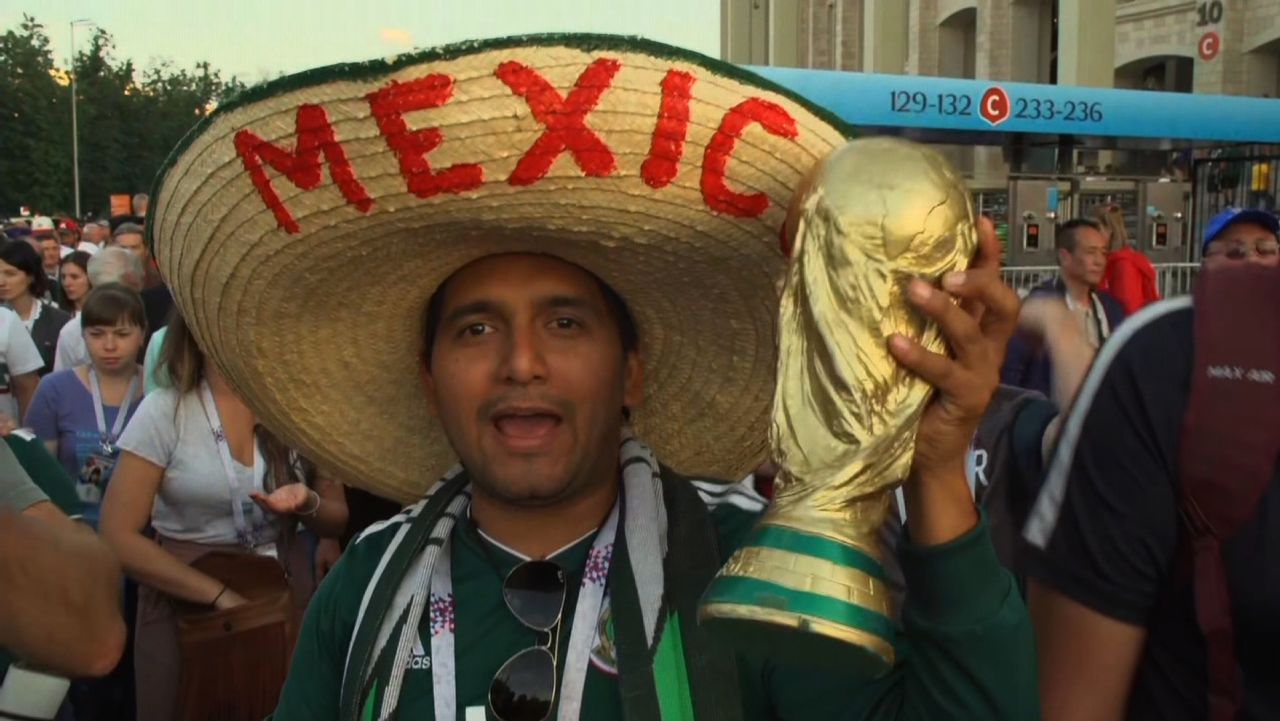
[[872, 215]]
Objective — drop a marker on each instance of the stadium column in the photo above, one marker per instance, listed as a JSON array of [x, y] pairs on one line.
[[884, 36], [1087, 43]]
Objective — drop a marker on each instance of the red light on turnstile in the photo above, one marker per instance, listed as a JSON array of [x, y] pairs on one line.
[[1031, 236], [1161, 238]]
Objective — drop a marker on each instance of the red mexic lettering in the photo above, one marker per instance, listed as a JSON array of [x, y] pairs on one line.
[[411, 147], [667, 146], [300, 165], [715, 193], [563, 118]]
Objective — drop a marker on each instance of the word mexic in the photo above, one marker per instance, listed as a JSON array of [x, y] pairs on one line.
[[563, 120]]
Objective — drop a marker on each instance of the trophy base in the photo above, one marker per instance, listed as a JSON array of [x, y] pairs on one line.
[[804, 600]]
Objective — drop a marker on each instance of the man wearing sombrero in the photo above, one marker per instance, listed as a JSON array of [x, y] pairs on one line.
[[592, 225]]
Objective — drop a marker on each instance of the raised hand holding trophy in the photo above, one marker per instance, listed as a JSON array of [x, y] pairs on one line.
[[808, 584]]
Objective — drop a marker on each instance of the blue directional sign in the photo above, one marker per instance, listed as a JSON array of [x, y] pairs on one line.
[[903, 101]]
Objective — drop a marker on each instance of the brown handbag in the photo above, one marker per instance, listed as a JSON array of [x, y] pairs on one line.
[[234, 662]]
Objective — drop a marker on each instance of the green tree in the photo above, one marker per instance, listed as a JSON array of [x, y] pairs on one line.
[[169, 103], [35, 141], [127, 120], [106, 122]]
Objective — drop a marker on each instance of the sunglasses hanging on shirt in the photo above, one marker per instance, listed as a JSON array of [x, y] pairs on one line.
[[524, 688]]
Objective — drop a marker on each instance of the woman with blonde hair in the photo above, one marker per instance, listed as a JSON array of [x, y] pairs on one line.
[[221, 493], [1111, 218], [1129, 275]]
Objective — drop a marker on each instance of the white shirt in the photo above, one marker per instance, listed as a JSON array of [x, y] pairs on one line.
[[71, 351], [18, 355], [36, 307], [88, 247], [193, 502], [1092, 318]]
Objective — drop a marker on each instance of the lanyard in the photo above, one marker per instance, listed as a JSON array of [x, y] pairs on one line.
[[250, 536], [108, 440], [591, 597]]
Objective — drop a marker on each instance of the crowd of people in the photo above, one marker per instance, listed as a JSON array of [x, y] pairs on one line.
[[137, 460], [174, 556]]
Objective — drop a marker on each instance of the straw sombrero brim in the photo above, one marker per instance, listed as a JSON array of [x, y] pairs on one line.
[[313, 307]]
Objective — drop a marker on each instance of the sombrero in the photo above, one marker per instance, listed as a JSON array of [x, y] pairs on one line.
[[303, 226]]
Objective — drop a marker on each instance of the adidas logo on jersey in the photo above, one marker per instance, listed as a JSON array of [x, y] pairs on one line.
[[419, 659]]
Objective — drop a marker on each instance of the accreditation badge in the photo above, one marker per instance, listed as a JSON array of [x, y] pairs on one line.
[[94, 473]]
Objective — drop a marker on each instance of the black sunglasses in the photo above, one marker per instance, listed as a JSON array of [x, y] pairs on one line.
[[524, 689]]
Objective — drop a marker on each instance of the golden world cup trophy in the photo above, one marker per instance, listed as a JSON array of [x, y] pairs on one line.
[[808, 585]]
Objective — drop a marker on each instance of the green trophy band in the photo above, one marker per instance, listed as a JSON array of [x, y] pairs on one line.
[[809, 583]]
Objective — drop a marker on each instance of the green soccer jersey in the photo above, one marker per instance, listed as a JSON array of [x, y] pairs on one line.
[[965, 650], [43, 469]]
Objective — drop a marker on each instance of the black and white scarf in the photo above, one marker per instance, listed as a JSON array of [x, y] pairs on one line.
[[397, 595]]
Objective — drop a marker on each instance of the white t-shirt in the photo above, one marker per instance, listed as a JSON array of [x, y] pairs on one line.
[[71, 351], [18, 355], [88, 247], [194, 499]]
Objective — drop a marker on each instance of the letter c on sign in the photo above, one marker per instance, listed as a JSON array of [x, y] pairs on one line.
[[1209, 46], [994, 107]]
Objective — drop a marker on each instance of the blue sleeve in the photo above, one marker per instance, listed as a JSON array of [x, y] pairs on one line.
[[1017, 360]]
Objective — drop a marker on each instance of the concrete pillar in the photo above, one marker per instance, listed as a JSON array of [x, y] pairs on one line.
[[994, 40], [1087, 43], [1225, 74], [884, 36], [818, 35], [784, 33], [851, 34], [922, 47], [736, 31]]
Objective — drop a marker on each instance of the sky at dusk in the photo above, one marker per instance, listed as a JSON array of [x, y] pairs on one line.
[[259, 39]]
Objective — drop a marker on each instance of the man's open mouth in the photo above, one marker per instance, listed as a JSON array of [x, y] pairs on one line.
[[526, 423]]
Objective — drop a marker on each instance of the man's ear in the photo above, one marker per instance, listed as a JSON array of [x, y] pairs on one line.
[[633, 380], [428, 382]]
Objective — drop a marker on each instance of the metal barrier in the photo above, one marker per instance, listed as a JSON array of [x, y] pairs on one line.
[[1172, 279], [1024, 278], [1175, 278]]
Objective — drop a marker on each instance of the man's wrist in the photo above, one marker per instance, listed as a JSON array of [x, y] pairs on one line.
[[940, 505]]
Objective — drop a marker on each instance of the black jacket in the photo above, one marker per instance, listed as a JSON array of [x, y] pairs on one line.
[[45, 333]]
